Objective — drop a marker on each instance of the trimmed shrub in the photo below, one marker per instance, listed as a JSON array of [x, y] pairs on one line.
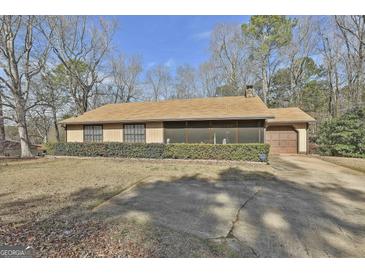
[[50, 147], [123, 150], [240, 152]]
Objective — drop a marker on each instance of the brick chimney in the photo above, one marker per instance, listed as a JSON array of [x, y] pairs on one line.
[[250, 91]]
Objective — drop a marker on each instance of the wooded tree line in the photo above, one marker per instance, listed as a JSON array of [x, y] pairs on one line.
[[58, 66]]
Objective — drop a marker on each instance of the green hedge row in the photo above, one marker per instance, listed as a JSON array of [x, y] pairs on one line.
[[241, 152], [123, 150]]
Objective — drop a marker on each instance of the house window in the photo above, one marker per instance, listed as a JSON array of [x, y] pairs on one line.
[[134, 133], [93, 133]]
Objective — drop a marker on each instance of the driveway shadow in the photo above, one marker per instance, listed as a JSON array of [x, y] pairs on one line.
[[268, 215], [205, 208], [287, 219], [251, 210]]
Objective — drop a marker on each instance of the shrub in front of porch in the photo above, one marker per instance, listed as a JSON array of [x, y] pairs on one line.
[[239, 152]]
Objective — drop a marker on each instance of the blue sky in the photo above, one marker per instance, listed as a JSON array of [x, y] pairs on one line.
[[170, 40]]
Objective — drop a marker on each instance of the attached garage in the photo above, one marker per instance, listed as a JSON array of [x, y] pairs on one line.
[[287, 133], [282, 139]]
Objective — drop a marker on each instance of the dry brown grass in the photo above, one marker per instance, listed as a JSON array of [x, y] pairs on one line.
[[48, 203], [353, 163]]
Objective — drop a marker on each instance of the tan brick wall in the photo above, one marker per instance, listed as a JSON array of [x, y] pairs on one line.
[[75, 133], [113, 132], [154, 132], [302, 137]]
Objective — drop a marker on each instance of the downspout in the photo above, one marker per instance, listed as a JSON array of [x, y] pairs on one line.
[[307, 134]]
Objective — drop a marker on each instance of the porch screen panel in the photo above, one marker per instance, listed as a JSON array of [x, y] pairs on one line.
[[250, 131], [224, 132], [198, 132], [174, 132]]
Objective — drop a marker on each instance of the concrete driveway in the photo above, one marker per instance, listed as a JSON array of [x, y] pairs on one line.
[[298, 207]]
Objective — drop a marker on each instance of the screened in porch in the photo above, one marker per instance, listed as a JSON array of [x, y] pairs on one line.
[[214, 132]]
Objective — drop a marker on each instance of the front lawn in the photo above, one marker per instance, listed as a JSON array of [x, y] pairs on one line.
[[48, 204]]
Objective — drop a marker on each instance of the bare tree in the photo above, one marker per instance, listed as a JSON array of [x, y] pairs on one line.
[[210, 79], [330, 49], [353, 33], [186, 83], [22, 57], [332, 76], [81, 45], [125, 78], [229, 56], [40, 122], [159, 79], [2, 126], [55, 98], [299, 52]]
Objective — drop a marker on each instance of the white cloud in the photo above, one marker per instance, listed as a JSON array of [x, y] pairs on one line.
[[151, 64], [170, 63], [202, 35]]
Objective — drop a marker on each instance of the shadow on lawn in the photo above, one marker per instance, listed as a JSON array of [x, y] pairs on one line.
[[278, 218]]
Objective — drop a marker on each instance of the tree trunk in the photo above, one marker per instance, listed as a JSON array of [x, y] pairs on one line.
[[2, 130], [336, 93], [360, 78], [295, 95], [264, 83], [265, 88], [330, 87], [23, 133], [24, 144], [58, 138], [57, 130]]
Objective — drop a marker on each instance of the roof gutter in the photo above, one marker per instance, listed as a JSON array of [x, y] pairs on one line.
[[291, 121], [164, 120]]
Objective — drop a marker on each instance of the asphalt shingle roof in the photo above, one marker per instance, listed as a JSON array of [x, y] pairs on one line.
[[292, 114], [212, 108]]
